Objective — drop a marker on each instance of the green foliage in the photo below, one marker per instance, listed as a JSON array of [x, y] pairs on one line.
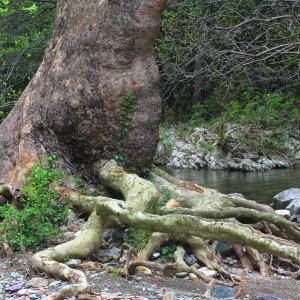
[[167, 195], [137, 237], [244, 105], [25, 27], [174, 49], [120, 158], [127, 112], [168, 251], [125, 119], [38, 214], [116, 272], [80, 185]]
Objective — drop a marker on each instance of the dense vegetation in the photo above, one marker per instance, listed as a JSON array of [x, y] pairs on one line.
[[37, 215], [232, 61]]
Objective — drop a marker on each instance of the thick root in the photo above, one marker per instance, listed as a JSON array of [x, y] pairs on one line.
[[243, 257], [50, 260], [141, 194], [183, 267], [291, 229], [153, 244], [204, 254], [194, 198], [259, 261]]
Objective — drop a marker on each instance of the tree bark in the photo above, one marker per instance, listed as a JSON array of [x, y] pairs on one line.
[[95, 94]]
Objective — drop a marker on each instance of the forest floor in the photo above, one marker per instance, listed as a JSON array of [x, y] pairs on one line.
[[19, 282]]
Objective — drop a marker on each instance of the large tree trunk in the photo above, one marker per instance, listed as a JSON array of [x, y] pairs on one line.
[[95, 94]]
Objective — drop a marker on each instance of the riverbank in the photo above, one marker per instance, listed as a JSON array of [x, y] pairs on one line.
[[231, 147]]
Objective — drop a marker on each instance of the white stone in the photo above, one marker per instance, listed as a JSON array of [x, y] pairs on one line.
[[208, 272]]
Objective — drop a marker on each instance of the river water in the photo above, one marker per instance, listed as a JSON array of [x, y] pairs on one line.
[[261, 186]]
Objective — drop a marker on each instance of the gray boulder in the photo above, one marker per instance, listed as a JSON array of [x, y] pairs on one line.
[[294, 208], [285, 198]]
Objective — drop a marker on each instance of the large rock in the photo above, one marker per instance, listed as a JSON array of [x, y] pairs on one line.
[[294, 208], [285, 198], [284, 213]]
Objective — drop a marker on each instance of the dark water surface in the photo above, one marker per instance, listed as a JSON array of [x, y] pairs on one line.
[[260, 186]]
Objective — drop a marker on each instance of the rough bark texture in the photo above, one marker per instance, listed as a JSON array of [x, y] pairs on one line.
[[101, 52]]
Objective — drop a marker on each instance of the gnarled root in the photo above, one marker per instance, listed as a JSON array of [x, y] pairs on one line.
[[51, 260], [183, 267], [204, 215]]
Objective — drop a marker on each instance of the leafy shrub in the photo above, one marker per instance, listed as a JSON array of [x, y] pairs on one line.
[[244, 105], [137, 237], [39, 214], [167, 251]]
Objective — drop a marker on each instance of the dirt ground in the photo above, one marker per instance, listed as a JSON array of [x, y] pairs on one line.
[[286, 289], [17, 270]]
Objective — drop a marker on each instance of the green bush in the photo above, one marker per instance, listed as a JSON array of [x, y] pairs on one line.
[[137, 237], [25, 28], [168, 251], [38, 214], [244, 105]]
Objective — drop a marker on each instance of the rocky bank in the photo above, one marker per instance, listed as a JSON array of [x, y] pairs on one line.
[[182, 147]]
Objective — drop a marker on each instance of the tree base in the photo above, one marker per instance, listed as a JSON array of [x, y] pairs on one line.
[[204, 215]]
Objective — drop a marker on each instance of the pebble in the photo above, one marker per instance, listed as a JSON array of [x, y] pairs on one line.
[[189, 259], [155, 255], [37, 282], [144, 271], [169, 296], [222, 292], [208, 272], [267, 297], [73, 263], [182, 274], [25, 292], [193, 276]]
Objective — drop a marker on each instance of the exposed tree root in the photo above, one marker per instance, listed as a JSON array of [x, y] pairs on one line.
[[51, 260], [183, 267], [291, 229], [243, 257], [259, 261], [204, 215]]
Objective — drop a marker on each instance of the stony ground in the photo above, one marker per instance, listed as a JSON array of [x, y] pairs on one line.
[[18, 281]]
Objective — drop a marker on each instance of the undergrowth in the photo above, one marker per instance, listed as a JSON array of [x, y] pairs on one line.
[[38, 214], [137, 237]]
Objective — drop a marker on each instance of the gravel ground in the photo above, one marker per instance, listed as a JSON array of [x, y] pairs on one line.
[[16, 284]]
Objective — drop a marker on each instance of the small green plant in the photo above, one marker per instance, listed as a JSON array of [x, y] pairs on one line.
[[120, 158], [127, 112], [167, 195], [137, 237], [168, 251], [208, 147], [116, 272], [126, 117], [38, 214]]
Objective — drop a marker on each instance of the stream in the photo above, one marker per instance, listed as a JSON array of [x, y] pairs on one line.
[[260, 186]]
